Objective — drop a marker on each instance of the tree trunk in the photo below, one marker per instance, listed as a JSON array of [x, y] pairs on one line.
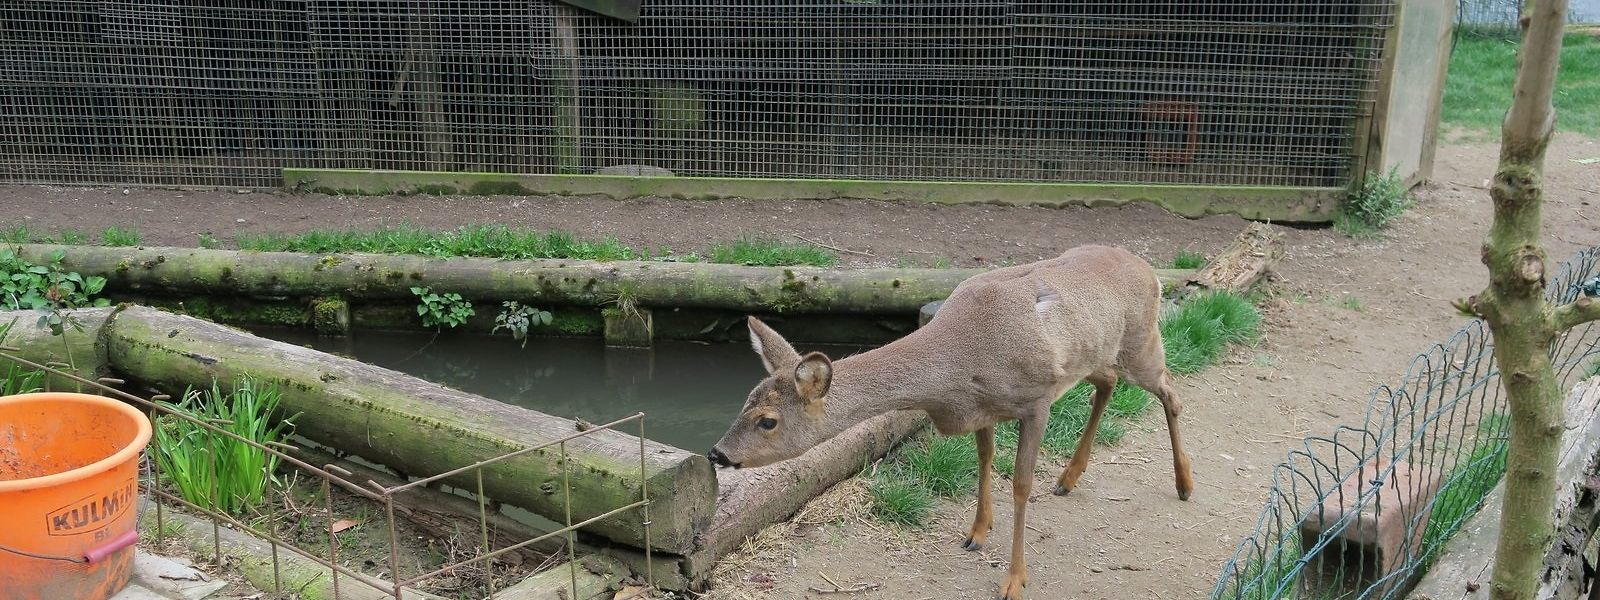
[[545, 282], [424, 429], [1514, 307]]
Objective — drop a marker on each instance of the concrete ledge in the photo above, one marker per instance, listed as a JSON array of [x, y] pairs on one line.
[[1281, 204]]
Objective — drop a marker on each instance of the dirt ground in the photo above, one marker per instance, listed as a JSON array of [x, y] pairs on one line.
[[1348, 317]]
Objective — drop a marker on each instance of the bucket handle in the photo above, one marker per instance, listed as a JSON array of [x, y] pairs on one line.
[[90, 556], [111, 546]]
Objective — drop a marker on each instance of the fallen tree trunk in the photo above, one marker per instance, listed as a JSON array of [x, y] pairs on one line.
[[421, 429], [753, 499], [75, 347], [545, 282]]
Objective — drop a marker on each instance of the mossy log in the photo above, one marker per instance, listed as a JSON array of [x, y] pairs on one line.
[[539, 282], [76, 347], [752, 499], [422, 429]]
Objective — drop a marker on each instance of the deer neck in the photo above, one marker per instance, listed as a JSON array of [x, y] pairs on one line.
[[905, 374]]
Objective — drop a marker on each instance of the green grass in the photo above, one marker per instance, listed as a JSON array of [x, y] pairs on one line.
[[769, 253], [118, 236], [1188, 260], [15, 379], [484, 241], [1196, 334], [214, 471], [1483, 69], [1463, 490], [1262, 577]]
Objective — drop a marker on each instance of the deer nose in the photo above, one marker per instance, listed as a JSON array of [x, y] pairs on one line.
[[718, 458]]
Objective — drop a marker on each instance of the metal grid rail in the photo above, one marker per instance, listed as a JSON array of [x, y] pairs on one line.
[[384, 498], [1446, 417], [195, 93]]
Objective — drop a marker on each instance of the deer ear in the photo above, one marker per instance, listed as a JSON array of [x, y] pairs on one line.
[[775, 352], [813, 376]]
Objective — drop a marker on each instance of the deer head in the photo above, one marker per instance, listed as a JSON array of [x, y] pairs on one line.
[[783, 417]]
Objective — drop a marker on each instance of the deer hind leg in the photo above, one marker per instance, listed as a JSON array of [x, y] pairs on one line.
[[1030, 433], [1104, 382], [1148, 370], [984, 521]]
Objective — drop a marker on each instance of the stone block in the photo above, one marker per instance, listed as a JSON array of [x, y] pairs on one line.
[[1379, 535]]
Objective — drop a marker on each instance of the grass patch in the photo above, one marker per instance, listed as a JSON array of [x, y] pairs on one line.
[[483, 241], [1264, 576], [118, 236], [1196, 335], [16, 379], [769, 253], [1374, 205], [1188, 260], [214, 471], [1463, 491], [1483, 69]]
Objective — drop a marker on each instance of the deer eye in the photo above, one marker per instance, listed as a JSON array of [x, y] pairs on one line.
[[767, 423]]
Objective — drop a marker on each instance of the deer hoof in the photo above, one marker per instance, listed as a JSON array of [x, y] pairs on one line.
[[1184, 495], [971, 546], [1062, 490]]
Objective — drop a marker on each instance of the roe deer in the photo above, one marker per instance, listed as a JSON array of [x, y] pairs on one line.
[[1005, 345]]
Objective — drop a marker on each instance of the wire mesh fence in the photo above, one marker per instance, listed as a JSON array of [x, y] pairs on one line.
[[309, 511], [1144, 91], [1363, 512]]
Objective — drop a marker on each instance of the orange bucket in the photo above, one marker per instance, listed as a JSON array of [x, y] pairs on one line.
[[69, 490]]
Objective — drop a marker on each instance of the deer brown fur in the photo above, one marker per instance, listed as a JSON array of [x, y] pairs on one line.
[[1005, 345]]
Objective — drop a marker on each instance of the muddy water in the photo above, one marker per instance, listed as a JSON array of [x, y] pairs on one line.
[[689, 392]]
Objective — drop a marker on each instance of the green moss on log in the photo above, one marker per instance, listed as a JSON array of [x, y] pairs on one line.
[[544, 283]]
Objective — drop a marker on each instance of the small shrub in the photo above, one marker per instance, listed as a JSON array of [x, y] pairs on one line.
[[117, 236], [1188, 260], [1380, 199], [517, 318], [214, 471], [442, 309]]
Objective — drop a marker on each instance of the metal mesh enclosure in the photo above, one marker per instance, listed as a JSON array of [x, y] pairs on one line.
[[206, 93], [1445, 419]]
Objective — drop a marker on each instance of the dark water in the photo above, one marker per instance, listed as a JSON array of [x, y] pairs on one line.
[[689, 392]]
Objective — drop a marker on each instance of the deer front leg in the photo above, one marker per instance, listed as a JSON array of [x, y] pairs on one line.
[[984, 521], [1030, 432]]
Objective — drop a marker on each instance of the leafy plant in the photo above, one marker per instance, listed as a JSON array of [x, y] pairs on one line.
[[208, 241], [46, 288], [117, 236], [442, 309], [1380, 199], [517, 318], [213, 470]]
